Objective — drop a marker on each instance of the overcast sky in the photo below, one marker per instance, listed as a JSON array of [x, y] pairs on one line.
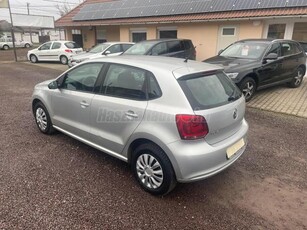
[[37, 7]]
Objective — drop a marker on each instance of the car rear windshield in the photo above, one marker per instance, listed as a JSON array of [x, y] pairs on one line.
[[205, 91], [72, 45]]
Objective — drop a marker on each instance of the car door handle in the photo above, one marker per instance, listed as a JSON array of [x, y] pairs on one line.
[[131, 114], [84, 104]]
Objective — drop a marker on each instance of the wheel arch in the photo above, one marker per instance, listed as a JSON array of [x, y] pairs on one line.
[[143, 140], [253, 76], [303, 67]]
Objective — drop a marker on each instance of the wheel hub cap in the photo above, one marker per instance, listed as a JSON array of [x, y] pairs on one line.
[[41, 119], [149, 171], [248, 89]]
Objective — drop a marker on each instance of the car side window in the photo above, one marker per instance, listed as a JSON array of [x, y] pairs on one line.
[[159, 49], [115, 49], [46, 46], [125, 82], [126, 46], [154, 90], [175, 46], [275, 48], [82, 78], [289, 48], [56, 45]]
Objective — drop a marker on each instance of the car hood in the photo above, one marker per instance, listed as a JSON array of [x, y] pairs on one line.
[[231, 63], [43, 84], [86, 55]]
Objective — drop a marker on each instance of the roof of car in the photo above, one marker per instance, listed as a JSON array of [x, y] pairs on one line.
[[264, 40], [178, 66], [165, 39]]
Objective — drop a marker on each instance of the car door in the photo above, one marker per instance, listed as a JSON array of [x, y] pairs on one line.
[[291, 59], [176, 49], [55, 51], [119, 107], [271, 70], [72, 102], [43, 52]]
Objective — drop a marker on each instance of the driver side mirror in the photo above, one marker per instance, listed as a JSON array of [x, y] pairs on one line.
[[271, 57], [107, 52], [53, 85]]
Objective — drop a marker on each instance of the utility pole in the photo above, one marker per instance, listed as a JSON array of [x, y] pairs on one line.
[[12, 30], [28, 8]]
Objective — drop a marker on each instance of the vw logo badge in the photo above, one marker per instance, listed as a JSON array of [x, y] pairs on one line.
[[235, 114]]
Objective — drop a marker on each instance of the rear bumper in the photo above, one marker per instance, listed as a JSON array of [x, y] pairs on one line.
[[197, 160]]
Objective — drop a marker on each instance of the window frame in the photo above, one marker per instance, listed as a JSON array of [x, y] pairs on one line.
[[54, 44], [228, 35], [96, 87], [148, 74]]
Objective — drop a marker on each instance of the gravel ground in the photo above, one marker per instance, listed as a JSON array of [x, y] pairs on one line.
[[56, 182]]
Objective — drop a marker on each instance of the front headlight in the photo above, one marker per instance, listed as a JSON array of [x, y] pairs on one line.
[[232, 75]]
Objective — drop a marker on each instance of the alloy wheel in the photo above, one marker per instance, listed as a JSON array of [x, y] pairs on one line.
[[41, 119], [149, 171], [248, 89], [299, 77]]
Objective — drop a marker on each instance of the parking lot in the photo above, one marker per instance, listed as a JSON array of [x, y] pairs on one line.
[[56, 182]]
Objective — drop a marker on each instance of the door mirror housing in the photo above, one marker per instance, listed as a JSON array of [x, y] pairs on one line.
[[271, 56], [107, 52], [53, 85]]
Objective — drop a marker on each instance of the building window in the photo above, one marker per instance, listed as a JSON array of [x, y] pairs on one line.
[[168, 34], [277, 31], [300, 31], [101, 35], [228, 31], [76, 31], [137, 36]]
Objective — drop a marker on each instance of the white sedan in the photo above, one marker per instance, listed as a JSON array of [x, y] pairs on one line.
[[54, 51]]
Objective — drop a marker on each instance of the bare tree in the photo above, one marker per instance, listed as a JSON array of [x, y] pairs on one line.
[[63, 9]]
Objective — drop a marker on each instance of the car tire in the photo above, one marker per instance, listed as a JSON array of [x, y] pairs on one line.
[[42, 119], [153, 170], [33, 58], [6, 47], [64, 60], [248, 88], [27, 45], [298, 79]]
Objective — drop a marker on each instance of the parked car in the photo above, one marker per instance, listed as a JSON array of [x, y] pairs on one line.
[[180, 48], [103, 49], [7, 43], [259, 63], [123, 106], [59, 51]]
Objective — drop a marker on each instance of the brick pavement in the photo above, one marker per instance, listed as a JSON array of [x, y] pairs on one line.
[[282, 99]]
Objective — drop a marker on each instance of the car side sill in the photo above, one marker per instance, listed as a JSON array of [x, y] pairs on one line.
[[274, 84], [114, 154]]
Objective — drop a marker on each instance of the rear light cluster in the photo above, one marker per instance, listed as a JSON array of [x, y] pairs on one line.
[[191, 127], [68, 51]]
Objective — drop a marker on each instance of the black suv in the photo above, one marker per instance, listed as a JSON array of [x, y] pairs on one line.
[[259, 63], [180, 48]]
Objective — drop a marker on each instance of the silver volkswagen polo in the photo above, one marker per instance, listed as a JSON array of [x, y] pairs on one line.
[[173, 120]]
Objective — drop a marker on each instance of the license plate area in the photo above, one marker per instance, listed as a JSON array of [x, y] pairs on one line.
[[232, 150]]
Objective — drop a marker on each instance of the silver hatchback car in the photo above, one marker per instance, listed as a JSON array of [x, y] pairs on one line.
[[173, 120]]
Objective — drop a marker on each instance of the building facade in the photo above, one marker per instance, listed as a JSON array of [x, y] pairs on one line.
[[209, 31]]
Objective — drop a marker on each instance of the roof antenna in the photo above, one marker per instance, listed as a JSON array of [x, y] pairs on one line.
[[186, 59]]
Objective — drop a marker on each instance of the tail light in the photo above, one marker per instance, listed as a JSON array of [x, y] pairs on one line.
[[191, 127], [68, 51]]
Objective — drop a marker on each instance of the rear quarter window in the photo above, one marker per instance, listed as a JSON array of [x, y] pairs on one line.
[[72, 45], [209, 91]]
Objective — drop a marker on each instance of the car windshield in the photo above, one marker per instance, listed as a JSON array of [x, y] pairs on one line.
[[245, 50], [140, 48], [304, 45], [209, 91], [99, 48], [72, 45]]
